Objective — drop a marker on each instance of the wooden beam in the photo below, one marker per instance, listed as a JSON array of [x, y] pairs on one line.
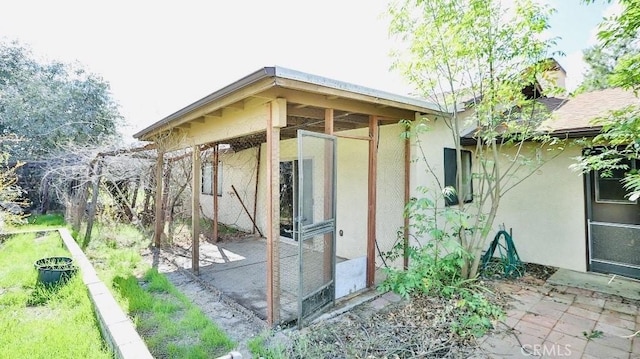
[[214, 114], [341, 104], [157, 233], [407, 197], [346, 114], [306, 112], [195, 208], [255, 193], [200, 119], [236, 105], [255, 226], [215, 191], [184, 125], [364, 138], [339, 95], [276, 109], [372, 194], [328, 195]]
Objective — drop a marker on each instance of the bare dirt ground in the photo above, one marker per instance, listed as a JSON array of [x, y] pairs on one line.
[[416, 328]]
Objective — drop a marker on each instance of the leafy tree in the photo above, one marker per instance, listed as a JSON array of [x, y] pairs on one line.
[[620, 29], [603, 60], [620, 137], [47, 104], [477, 56]]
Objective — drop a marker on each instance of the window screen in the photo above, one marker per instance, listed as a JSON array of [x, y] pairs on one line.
[[207, 178], [610, 188]]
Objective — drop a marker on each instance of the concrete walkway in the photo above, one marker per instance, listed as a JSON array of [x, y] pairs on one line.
[[558, 321]]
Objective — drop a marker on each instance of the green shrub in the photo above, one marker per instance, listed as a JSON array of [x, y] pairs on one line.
[[435, 267]]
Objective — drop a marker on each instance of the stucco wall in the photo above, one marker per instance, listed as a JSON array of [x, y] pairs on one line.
[[547, 214], [546, 210], [351, 205], [353, 170], [239, 169]]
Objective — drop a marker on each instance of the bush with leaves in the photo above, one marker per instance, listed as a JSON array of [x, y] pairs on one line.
[[435, 267]]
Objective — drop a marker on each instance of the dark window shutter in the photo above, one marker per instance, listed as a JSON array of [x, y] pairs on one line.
[[450, 171]]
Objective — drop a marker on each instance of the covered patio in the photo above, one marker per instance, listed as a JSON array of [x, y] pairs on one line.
[[236, 268], [266, 111]]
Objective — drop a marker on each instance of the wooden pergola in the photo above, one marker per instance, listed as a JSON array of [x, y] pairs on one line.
[[270, 105]]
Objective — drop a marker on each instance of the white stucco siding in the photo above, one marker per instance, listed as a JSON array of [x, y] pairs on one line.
[[239, 170], [351, 204], [547, 214], [546, 210], [390, 190], [428, 147]]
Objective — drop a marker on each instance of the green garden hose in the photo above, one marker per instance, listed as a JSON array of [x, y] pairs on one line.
[[507, 263]]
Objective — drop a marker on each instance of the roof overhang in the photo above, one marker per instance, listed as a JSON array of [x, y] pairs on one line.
[[267, 78]]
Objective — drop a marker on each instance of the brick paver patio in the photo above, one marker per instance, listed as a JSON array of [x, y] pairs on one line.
[[553, 321]]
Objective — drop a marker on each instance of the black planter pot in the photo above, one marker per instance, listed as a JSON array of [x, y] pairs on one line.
[[55, 270]]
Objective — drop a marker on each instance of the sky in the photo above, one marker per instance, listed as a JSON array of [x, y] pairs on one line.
[[160, 56]]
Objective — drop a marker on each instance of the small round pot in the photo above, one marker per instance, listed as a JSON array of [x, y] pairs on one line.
[[55, 270]]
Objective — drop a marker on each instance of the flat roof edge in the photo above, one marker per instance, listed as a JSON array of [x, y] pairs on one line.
[[282, 72], [258, 75]]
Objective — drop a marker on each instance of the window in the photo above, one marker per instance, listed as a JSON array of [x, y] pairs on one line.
[[207, 178], [450, 173], [610, 189]]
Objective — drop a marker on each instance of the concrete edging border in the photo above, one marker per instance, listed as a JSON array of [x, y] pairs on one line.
[[116, 327]]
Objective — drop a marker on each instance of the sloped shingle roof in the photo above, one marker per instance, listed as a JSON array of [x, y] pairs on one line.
[[578, 112]]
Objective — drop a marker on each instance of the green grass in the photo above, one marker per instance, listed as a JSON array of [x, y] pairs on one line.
[[40, 322], [259, 347], [166, 319], [170, 323], [47, 220]]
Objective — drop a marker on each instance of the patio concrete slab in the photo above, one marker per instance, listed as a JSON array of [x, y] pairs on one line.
[[608, 284], [238, 268]]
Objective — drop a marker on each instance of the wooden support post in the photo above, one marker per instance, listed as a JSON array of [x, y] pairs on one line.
[[407, 197], [328, 195], [195, 208], [215, 192], [277, 118], [371, 208], [328, 121], [167, 205], [255, 193], [159, 222]]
